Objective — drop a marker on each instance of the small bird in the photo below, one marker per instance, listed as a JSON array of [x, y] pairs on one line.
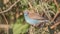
[[33, 18]]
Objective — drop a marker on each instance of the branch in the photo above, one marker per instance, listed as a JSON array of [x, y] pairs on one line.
[[30, 5], [57, 11], [4, 26], [10, 7], [52, 27], [5, 19]]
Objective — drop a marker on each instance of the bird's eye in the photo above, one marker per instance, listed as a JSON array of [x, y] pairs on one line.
[[28, 13]]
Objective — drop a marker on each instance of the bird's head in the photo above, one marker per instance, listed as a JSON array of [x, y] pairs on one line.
[[26, 12], [29, 13]]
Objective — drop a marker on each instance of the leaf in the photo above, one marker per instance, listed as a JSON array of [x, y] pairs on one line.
[[19, 28]]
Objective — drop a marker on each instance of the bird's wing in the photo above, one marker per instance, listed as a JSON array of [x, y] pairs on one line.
[[35, 16]]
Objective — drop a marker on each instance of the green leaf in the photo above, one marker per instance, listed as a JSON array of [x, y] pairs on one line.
[[18, 28]]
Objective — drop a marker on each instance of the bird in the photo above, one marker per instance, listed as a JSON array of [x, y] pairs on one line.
[[33, 17]]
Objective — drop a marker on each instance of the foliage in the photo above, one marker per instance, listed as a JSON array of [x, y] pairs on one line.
[[20, 27]]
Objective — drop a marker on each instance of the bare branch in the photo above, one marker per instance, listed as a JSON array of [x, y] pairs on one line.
[[30, 5], [4, 17], [57, 11], [52, 27], [10, 7]]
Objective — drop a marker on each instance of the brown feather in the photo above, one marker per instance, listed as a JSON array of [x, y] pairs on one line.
[[34, 15]]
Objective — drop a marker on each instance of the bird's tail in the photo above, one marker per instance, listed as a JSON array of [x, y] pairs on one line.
[[41, 25], [44, 21]]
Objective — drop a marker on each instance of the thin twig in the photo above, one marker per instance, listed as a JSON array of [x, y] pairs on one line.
[[56, 3], [57, 11], [55, 16], [10, 7], [44, 12], [52, 27], [6, 22], [30, 5], [4, 17], [48, 14]]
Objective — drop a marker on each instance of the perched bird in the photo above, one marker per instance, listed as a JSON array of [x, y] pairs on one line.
[[33, 18]]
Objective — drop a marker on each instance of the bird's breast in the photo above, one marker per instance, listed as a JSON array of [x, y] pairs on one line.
[[31, 21]]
